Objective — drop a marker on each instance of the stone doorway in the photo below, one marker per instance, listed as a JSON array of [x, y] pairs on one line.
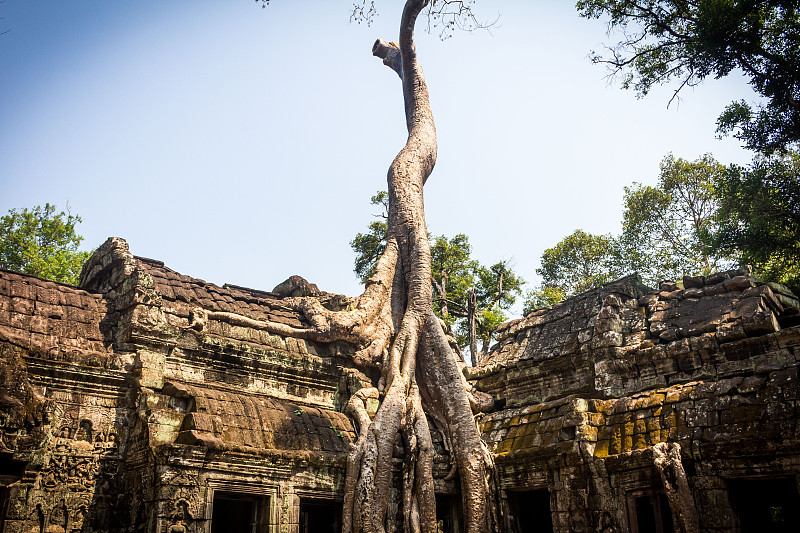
[[239, 513], [649, 512], [320, 516], [448, 510], [10, 472], [531, 511], [3, 506], [765, 504]]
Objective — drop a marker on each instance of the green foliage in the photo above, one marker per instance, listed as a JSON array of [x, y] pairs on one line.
[[369, 246], [666, 233], [487, 320], [496, 290], [452, 273], [759, 217], [666, 229], [579, 262], [541, 296], [42, 243], [452, 269], [670, 40], [497, 285], [455, 274]]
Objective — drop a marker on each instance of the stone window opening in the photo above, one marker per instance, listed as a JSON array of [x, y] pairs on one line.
[[233, 512], [179, 398], [320, 516], [649, 512], [760, 504], [530, 511]]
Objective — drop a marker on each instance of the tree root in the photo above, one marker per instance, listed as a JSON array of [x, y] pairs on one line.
[[419, 365], [369, 324], [393, 325], [667, 460]]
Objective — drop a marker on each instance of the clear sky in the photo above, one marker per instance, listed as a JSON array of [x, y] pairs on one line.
[[242, 145]]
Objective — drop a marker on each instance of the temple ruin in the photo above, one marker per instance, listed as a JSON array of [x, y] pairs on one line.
[[149, 401]]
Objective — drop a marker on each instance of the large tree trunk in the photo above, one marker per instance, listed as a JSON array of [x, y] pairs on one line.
[[394, 326], [419, 363]]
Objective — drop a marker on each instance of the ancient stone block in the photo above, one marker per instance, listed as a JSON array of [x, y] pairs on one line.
[[738, 283], [730, 331], [693, 281]]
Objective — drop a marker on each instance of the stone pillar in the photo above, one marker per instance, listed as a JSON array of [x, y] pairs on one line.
[[713, 504], [288, 503]]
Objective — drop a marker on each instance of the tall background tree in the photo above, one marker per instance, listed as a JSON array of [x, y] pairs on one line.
[[759, 217], [686, 42], [751, 215], [579, 262], [370, 246], [496, 290], [666, 228], [42, 242]]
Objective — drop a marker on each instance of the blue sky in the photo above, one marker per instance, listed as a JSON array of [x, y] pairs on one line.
[[242, 145]]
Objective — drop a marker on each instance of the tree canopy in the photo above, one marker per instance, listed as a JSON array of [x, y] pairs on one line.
[[453, 270], [370, 246], [577, 263], [43, 243], [490, 293], [668, 231], [759, 217], [666, 40], [666, 228]]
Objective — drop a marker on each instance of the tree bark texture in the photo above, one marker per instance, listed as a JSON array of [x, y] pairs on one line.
[[419, 367], [394, 327], [473, 336], [667, 459]]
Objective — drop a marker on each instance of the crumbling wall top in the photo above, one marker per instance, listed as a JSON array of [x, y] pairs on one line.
[[54, 321]]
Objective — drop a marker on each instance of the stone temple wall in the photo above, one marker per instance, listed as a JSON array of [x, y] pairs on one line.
[[62, 395], [147, 400], [136, 403], [597, 390]]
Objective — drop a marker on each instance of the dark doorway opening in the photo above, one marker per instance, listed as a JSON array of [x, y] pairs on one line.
[[239, 513], [448, 511], [530, 511], [765, 504], [319, 516], [3, 507], [650, 513], [10, 472]]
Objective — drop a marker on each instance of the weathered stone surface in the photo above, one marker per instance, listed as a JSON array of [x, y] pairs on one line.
[[710, 370], [112, 393], [127, 404], [296, 286]]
